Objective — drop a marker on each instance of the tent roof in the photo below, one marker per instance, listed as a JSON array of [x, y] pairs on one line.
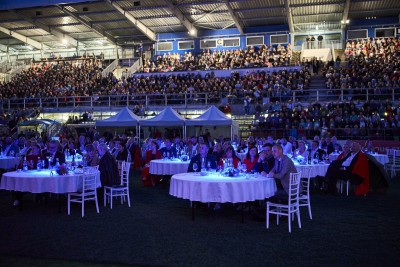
[[38, 122], [124, 118], [167, 117], [212, 116]]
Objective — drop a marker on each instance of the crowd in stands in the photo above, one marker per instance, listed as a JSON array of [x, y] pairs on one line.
[[345, 119], [371, 64], [250, 57]]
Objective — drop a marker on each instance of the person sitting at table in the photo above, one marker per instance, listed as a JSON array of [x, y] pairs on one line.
[[92, 159], [265, 161], [241, 148], [168, 150], [281, 171], [32, 158], [108, 167], [122, 152], [53, 154], [352, 167], [202, 157], [369, 147], [147, 178], [333, 146], [316, 153], [251, 158], [230, 154], [11, 147], [217, 151], [301, 151]]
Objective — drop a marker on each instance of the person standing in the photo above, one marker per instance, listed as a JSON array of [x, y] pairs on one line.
[[108, 167]]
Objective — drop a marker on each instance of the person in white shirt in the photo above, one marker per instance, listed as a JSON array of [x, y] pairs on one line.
[[287, 146]]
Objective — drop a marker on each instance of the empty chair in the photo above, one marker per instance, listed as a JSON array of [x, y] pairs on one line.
[[394, 162], [291, 207], [89, 185], [121, 190], [304, 196]]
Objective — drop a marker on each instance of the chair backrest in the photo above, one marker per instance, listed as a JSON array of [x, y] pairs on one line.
[[294, 188], [125, 168], [305, 180], [89, 182], [390, 154], [396, 156], [92, 169]]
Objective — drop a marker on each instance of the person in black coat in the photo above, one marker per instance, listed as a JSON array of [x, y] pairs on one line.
[[203, 157], [54, 153], [108, 167], [266, 160], [317, 153]]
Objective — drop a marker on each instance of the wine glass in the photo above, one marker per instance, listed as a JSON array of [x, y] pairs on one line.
[[195, 167]]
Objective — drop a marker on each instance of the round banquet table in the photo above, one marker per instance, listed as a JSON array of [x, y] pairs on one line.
[[216, 188], [381, 158], [42, 181], [316, 169], [9, 162], [168, 167]]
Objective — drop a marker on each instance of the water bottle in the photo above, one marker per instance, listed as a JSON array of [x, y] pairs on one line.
[[57, 163], [39, 164], [309, 158], [25, 165]]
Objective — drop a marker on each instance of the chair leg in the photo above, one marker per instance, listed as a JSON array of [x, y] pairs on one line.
[[347, 187], [129, 200], [298, 217], [289, 223], [83, 207], [267, 217], [69, 204], [309, 208], [97, 204], [105, 197], [111, 198]]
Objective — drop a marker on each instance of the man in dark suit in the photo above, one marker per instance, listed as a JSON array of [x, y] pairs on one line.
[[283, 167], [54, 153], [266, 160], [203, 158], [315, 152], [108, 167]]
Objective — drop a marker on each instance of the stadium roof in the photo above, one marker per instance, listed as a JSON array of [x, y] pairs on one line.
[[56, 24]]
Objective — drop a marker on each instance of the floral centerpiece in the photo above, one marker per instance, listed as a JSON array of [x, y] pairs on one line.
[[62, 170]]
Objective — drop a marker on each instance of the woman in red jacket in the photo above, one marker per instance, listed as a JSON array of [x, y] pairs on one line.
[[147, 178]]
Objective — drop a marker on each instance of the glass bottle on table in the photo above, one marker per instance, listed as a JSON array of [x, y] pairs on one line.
[[25, 165], [38, 164]]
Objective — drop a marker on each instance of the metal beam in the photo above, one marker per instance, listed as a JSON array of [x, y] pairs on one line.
[[345, 13], [22, 38], [340, 2], [143, 28], [289, 16], [182, 18], [94, 28], [59, 34], [234, 17]]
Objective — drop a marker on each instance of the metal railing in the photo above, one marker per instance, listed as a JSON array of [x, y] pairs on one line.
[[184, 100]]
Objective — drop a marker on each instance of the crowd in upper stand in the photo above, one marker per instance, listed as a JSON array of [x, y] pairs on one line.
[[345, 119], [370, 64], [250, 57]]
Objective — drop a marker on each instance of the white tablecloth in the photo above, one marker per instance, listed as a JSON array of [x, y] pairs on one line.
[[215, 188], [168, 167], [381, 158], [316, 169], [41, 182], [9, 162]]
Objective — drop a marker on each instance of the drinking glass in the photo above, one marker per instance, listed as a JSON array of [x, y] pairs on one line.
[[195, 167]]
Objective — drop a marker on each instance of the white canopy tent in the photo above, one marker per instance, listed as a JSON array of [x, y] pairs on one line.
[[167, 117], [124, 118], [214, 117]]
